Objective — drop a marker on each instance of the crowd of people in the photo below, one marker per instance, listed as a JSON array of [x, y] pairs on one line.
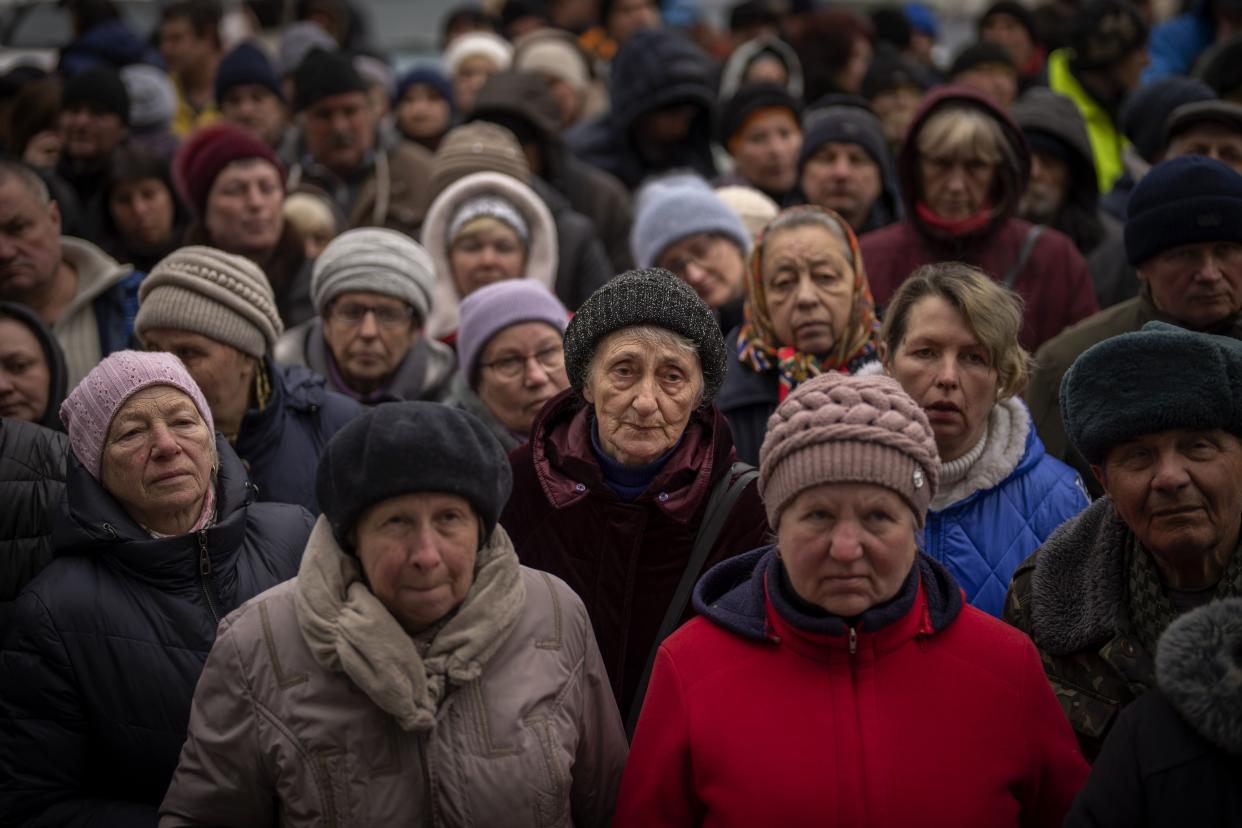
[[620, 420]]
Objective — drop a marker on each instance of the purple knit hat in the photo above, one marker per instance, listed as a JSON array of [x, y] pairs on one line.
[[489, 310], [88, 410], [837, 428]]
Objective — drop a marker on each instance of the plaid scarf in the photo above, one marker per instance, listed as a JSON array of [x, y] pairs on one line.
[[1151, 609], [759, 348]]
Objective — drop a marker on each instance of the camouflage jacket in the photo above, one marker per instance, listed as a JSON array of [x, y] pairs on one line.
[[1069, 597]]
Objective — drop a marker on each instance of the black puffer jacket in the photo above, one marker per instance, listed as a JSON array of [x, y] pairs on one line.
[[108, 642], [32, 479]]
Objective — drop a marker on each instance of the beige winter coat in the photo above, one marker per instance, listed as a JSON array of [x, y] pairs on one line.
[[315, 708]]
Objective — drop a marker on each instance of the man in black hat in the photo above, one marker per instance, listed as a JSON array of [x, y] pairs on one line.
[[249, 94], [1211, 128], [372, 186], [94, 120]]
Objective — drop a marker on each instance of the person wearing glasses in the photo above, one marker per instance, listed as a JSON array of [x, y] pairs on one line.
[[216, 312], [372, 291], [510, 356]]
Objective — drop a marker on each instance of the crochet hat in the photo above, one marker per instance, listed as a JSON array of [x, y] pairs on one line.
[[1183, 200], [206, 153], [213, 293], [322, 74], [246, 65], [836, 428], [477, 147], [477, 44], [735, 112], [378, 260], [1138, 383], [152, 99], [88, 410], [645, 297], [404, 447], [1147, 108], [491, 309], [99, 87], [670, 209]]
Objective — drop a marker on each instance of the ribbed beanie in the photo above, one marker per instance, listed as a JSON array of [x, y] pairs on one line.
[[837, 428], [205, 154], [213, 293], [377, 260], [491, 309], [479, 146], [88, 410], [1184, 200]]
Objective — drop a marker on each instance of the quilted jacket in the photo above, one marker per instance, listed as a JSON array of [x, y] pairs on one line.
[[982, 538]]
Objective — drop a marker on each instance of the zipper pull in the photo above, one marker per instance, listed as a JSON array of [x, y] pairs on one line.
[[204, 560], [853, 641]]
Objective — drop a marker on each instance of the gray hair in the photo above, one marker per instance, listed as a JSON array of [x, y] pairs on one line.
[[793, 219], [651, 336], [30, 180]]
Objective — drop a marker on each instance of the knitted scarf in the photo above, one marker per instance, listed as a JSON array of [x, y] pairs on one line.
[[1150, 607], [759, 348]]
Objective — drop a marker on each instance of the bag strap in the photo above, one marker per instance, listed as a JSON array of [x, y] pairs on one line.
[[724, 495], [1024, 254]]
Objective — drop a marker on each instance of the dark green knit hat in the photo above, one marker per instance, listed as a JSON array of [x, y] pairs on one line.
[[652, 296], [1158, 379]]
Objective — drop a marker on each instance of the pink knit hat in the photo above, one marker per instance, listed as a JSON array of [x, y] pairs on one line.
[[841, 429], [88, 410]]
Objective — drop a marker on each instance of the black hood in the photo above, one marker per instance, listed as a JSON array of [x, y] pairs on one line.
[[658, 68], [58, 377]]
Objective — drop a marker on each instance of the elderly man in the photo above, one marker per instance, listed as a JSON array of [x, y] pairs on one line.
[[87, 299], [1183, 233], [372, 290], [1165, 443], [372, 186]]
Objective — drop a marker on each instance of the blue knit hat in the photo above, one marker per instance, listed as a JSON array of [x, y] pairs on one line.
[[246, 65], [1184, 200], [428, 76], [671, 209]]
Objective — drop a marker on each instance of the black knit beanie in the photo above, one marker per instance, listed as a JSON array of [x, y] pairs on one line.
[[1186, 200], [748, 100], [1015, 10], [645, 297], [400, 448], [978, 54], [324, 74], [1148, 108], [102, 88], [843, 125]]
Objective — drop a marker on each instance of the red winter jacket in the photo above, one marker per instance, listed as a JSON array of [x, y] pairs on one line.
[[940, 717], [623, 559], [1055, 284]]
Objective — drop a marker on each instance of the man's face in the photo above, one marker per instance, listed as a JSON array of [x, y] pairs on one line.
[[182, 48], [842, 177], [88, 134], [1177, 491], [422, 113], [1198, 285], [369, 335], [1214, 140], [1046, 189], [257, 109], [628, 17], [340, 131], [29, 242]]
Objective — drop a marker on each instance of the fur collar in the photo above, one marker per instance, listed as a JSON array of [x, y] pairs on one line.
[[349, 631], [1078, 582], [1199, 670], [1004, 447]]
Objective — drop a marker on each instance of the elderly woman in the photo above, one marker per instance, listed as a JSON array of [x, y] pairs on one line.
[[808, 310], [950, 337], [511, 356], [158, 538], [32, 368], [962, 171], [436, 679], [836, 676], [612, 490], [235, 187], [483, 228], [216, 313]]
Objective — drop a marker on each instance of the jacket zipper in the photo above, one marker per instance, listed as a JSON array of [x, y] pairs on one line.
[[853, 641], [204, 571]]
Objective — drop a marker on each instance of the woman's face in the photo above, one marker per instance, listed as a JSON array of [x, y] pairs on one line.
[[942, 365], [157, 459], [847, 546], [24, 373], [766, 150], [955, 188], [418, 552], [489, 252], [244, 208], [643, 395], [711, 264], [520, 369], [223, 373], [143, 212], [422, 113], [809, 284]]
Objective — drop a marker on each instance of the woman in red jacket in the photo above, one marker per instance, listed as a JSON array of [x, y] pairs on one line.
[[836, 677]]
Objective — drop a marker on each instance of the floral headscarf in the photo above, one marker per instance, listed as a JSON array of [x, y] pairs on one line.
[[758, 347]]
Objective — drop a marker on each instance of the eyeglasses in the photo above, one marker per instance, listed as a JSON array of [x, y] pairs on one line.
[[512, 367], [701, 253], [351, 314]]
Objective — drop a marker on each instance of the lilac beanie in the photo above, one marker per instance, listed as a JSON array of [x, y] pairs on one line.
[[88, 410], [489, 310], [841, 429]]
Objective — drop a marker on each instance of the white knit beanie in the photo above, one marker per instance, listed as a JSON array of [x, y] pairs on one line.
[[377, 260], [485, 44]]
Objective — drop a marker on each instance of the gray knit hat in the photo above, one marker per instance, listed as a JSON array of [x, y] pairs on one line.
[[213, 293], [645, 297], [378, 260], [671, 209], [837, 428]]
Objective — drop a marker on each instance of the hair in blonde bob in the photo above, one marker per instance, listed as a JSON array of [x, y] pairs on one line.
[[963, 132], [992, 312]]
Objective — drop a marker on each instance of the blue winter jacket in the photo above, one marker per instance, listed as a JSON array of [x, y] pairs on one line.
[[1176, 44], [982, 538]]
